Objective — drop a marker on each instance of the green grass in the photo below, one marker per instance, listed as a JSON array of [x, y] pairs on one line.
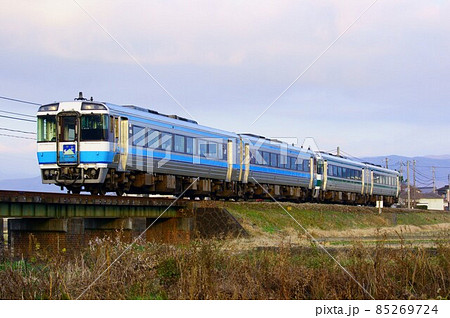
[[269, 217]]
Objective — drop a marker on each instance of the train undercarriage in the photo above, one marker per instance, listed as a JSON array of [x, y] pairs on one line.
[[143, 183]]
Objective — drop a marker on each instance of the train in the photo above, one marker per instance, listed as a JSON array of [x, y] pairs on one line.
[[99, 147]]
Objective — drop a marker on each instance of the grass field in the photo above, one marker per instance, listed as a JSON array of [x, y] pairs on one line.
[[395, 255], [209, 270], [267, 221]]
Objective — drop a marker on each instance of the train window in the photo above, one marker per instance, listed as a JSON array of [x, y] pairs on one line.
[[306, 165], [189, 145], [252, 158], [299, 164], [138, 137], [224, 150], [94, 127], [179, 143], [266, 158], [68, 128], [320, 167], [153, 139], [166, 141], [46, 128], [111, 124], [203, 145], [335, 171], [282, 161], [212, 149], [330, 170], [291, 163], [340, 172], [273, 160]]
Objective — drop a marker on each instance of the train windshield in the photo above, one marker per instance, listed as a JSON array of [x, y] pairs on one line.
[[94, 127], [46, 128]]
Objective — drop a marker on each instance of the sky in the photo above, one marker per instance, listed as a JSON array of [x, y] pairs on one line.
[[382, 88]]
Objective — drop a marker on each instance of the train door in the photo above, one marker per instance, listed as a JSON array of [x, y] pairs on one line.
[[325, 175], [363, 180], [368, 181], [123, 143], [246, 162], [371, 182], [230, 160], [241, 158], [68, 139]]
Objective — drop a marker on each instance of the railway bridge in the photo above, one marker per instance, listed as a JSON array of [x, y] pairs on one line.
[[65, 222]]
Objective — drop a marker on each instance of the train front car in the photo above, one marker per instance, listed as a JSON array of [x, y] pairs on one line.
[[75, 144]]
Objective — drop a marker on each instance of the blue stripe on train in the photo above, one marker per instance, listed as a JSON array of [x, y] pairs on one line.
[[49, 157]]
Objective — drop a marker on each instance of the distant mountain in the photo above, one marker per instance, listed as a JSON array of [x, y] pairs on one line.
[[27, 184], [424, 175], [438, 157]]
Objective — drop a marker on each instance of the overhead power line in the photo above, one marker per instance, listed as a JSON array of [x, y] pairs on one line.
[[16, 118], [19, 114], [20, 137], [19, 100], [19, 131], [437, 167]]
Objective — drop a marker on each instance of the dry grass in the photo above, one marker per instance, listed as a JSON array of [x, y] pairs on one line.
[[212, 270]]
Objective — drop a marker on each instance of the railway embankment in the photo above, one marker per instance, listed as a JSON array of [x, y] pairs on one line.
[[267, 224]]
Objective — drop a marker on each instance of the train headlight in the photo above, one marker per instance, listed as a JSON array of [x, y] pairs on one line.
[[47, 108], [92, 107]]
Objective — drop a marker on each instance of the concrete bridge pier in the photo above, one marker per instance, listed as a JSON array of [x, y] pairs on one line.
[[111, 228], [171, 230], [33, 235], [48, 235]]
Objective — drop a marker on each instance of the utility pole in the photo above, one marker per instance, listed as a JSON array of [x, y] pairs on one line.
[[448, 193], [401, 169], [409, 187], [434, 179], [387, 163], [338, 151], [414, 183]]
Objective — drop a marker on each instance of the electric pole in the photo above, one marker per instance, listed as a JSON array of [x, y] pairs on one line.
[[409, 187], [448, 193], [338, 151], [414, 183], [387, 163], [401, 170], [434, 179]]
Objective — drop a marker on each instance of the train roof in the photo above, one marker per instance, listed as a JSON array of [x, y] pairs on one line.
[[141, 112], [341, 159], [275, 142]]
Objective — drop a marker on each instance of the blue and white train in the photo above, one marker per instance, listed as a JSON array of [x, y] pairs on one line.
[[84, 145]]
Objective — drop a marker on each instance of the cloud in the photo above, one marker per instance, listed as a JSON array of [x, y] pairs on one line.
[[226, 61]]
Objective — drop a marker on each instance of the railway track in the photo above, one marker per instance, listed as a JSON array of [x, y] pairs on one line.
[[63, 198]]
